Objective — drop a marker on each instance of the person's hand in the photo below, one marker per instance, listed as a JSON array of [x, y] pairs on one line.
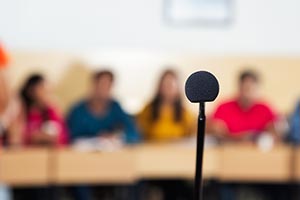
[[219, 129], [40, 138], [246, 137]]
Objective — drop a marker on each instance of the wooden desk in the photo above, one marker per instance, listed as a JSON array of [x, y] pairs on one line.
[[296, 166], [126, 166], [72, 167], [148, 161], [173, 161], [249, 163], [24, 167]]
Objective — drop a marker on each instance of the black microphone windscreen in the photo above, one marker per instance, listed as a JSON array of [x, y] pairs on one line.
[[202, 86]]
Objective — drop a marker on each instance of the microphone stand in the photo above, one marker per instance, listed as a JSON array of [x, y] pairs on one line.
[[198, 186]]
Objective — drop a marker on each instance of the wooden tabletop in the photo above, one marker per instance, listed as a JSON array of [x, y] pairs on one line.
[[240, 163]]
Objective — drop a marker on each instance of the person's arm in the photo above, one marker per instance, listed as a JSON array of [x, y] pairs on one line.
[[14, 120], [25, 131], [216, 124], [189, 122], [41, 138], [217, 128], [56, 126], [271, 126], [131, 133], [143, 120], [52, 131], [74, 124]]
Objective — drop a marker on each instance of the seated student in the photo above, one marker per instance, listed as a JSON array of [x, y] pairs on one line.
[[165, 118], [101, 117], [4, 190], [245, 116], [43, 124]]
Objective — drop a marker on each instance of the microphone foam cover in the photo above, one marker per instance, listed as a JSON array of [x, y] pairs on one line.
[[201, 86]]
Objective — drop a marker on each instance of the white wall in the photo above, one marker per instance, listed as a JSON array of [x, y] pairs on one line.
[[131, 37], [268, 27]]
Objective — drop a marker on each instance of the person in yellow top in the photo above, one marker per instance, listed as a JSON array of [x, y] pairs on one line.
[[165, 119]]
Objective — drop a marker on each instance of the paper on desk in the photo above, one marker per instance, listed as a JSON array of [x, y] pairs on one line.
[[97, 144]]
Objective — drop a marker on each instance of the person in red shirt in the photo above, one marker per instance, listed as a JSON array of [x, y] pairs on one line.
[[245, 116], [43, 125]]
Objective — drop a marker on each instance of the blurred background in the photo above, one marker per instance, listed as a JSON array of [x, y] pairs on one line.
[[67, 42]]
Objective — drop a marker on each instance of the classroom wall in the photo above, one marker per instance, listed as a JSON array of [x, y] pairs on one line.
[[137, 74], [66, 39], [259, 27]]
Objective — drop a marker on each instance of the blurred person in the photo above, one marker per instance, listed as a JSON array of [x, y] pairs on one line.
[[165, 119], [100, 115], [5, 193], [246, 116], [43, 124], [101, 118]]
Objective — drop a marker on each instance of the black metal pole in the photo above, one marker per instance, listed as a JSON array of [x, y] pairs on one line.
[[200, 148]]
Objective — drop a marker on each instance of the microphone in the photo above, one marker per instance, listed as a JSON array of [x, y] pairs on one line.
[[201, 87]]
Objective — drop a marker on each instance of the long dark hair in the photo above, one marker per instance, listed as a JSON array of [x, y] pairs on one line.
[[157, 100], [26, 91]]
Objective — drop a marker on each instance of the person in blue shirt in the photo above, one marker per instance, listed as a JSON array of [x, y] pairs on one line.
[[100, 115]]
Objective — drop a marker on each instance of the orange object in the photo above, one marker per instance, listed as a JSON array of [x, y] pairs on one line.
[[3, 57]]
